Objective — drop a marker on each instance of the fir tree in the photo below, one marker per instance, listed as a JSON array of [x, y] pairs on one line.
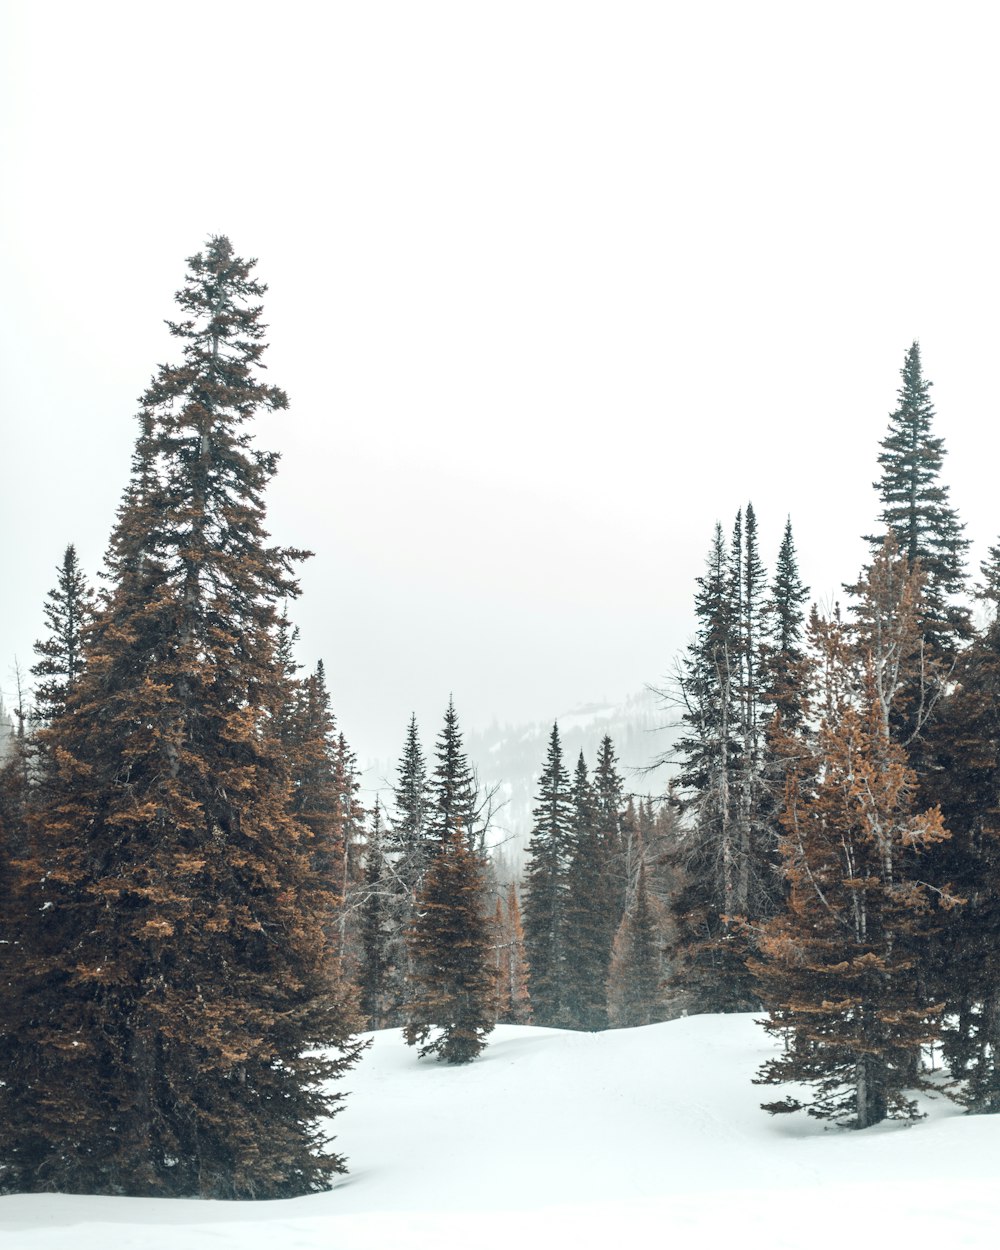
[[407, 837], [68, 611], [591, 914], [453, 788], [785, 655], [407, 848], [965, 780], [180, 1010], [608, 804], [916, 510], [716, 853], [378, 931], [545, 888], [451, 955], [837, 967]]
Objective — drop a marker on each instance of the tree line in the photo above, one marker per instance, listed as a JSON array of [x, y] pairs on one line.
[[199, 916], [839, 775]]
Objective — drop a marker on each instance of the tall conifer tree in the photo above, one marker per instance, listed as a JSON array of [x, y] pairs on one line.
[[453, 788], [69, 609], [837, 966], [451, 969], [916, 508], [965, 779], [180, 990], [545, 888]]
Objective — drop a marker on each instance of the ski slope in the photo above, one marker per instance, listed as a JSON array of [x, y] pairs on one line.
[[554, 1139]]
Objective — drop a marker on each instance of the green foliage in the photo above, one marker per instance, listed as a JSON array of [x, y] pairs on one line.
[[450, 946], [69, 609], [916, 509], [546, 890], [592, 907]]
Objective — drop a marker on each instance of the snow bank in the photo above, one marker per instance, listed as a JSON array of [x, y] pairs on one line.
[[556, 1139]]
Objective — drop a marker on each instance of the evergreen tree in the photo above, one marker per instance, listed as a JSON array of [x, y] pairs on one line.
[[709, 959], [965, 780], [837, 967], [545, 888], [179, 1009], [451, 955], [785, 655], [917, 512], [591, 914], [453, 788], [378, 931], [68, 611], [608, 805], [407, 837], [407, 848]]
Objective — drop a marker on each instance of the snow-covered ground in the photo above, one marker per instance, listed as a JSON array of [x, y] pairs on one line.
[[556, 1139]]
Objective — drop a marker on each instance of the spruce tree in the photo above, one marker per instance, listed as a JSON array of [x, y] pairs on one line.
[[837, 967], [545, 889], [785, 654], [69, 609], [917, 512], [591, 914], [407, 845], [608, 805], [378, 936], [452, 1010], [407, 836], [964, 748], [454, 796], [180, 1010], [450, 971], [709, 959]]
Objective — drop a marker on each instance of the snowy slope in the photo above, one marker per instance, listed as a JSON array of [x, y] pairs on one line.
[[556, 1139]]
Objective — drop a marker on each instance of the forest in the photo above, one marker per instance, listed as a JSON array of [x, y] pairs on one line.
[[200, 918]]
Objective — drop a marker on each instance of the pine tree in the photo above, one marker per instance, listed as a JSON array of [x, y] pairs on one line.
[[178, 997], [545, 888], [451, 954], [591, 912], [837, 967], [407, 849], [608, 805], [785, 656], [917, 512], [69, 609], [965, 780], [379, 938], [453, 788], [407, 837], [716, 867]]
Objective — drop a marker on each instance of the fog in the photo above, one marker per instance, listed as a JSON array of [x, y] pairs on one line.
[[553, 287]]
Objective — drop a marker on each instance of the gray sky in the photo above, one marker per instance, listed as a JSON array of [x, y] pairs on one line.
[[552, 287]]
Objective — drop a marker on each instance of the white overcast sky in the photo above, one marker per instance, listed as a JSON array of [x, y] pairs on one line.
[[553, 286]]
